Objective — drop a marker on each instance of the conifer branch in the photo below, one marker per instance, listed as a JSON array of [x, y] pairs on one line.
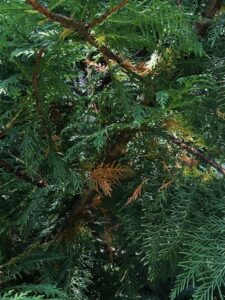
[[63, 20], [21, 174], [198, 153], [115, 149], [83, 32], [107, 14], [114, 152]]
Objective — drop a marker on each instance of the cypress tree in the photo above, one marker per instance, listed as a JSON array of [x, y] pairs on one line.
[[112, 121]]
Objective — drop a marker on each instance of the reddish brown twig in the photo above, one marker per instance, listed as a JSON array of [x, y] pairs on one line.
[[21, 174], [198, 153], [107, 14]]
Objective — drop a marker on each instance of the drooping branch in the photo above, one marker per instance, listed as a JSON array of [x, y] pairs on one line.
[[197, 153], [21, 174], [107, 14]]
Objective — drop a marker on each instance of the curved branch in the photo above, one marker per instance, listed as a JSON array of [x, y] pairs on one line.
[[65, 21], [198, 153]]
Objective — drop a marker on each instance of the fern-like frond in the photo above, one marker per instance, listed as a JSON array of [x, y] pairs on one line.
[[106, 176]]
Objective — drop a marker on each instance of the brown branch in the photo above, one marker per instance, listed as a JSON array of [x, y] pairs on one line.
[[80, 29], [198, 153], [107, 14], [63, 20], [117, 148], [21, 174], [212, 8]]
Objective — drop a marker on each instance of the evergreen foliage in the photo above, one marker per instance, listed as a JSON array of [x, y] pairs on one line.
[[112, 149]]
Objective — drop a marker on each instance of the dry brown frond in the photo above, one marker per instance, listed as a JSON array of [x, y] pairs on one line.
[[166, 184], [137, 192], [189, 161], [104, 177]]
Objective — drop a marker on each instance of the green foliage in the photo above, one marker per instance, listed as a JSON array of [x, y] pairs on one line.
[[45, 290], [76, 105], [42, 289]]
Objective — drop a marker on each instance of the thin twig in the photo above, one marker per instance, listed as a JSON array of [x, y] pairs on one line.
[[107, 14], [198, 153]]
